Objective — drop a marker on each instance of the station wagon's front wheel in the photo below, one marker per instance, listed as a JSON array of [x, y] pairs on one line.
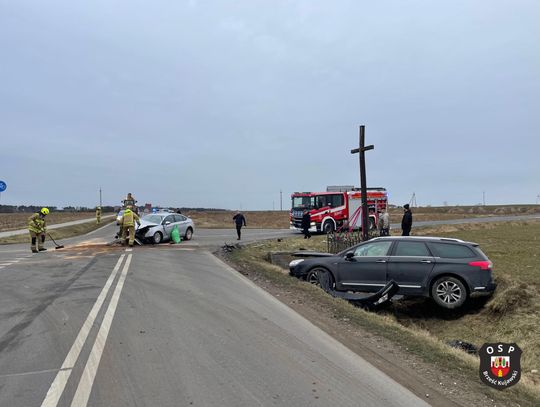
[[449, 292]]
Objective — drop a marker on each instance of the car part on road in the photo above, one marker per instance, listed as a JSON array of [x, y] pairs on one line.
[[58, 246]]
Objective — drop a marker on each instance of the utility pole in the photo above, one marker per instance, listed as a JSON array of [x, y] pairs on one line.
[[362, 148], [484, 197], [537, 199], [280, 200], [100, 197], [412, 202]]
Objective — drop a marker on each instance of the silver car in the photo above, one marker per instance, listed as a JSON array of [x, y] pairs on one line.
[[157, 227]]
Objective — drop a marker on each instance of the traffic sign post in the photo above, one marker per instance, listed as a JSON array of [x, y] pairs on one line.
[[3, 187]]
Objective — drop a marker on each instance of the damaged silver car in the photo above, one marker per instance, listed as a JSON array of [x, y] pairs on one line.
[[157, 227]]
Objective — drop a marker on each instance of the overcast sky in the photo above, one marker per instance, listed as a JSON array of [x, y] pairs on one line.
[[225, 103]]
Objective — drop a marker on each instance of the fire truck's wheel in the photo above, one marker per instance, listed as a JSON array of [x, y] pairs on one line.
[[189, 234], [157, 238], [328, 227]]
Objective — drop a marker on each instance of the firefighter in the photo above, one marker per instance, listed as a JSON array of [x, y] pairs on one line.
[[37, 227], [129, 202], [128, 225], [98, 215]]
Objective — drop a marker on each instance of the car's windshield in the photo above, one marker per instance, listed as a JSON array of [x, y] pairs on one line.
[[152, 218]]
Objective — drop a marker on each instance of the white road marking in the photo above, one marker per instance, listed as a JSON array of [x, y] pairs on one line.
[[129, 249], [60, 381], [6, 264], [87, 379]]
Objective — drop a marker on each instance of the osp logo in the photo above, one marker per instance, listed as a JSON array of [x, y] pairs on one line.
[[500, 364]]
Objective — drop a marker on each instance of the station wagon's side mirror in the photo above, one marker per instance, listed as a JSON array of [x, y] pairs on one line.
[[349, 255]]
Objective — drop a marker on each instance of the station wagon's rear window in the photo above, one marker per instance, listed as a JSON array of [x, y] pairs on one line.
[[452, 251]]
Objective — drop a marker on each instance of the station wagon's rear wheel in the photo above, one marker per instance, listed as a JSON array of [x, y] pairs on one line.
[[449, 292]]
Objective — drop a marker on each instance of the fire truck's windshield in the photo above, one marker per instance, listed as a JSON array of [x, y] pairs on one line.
[[301, 202]]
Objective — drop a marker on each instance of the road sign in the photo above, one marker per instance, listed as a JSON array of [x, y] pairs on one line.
[[3, 186]]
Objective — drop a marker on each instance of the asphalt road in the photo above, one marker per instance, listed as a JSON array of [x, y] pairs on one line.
[[168, 325]]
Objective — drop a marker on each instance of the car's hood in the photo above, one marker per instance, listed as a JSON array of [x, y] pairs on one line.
[[146, 224]]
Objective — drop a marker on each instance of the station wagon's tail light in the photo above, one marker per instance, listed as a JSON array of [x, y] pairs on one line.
[[483, 264]]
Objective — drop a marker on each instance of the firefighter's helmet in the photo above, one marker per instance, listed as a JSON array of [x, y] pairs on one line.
[[44, 211]]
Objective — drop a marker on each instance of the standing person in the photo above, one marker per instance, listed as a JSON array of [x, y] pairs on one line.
[[128, 225], [240, 221], [37, 228], [385, 218], [98, 215], [406, 222], [384, 223], [306, 224]]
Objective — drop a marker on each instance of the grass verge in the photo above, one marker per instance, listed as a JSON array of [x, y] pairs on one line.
[[511, 315]]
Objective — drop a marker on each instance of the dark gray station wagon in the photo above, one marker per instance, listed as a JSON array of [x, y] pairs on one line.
[[447, 270]]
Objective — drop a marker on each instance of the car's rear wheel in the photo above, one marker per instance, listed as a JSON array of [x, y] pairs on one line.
[[157, 238], [189, 234], [449, 292]]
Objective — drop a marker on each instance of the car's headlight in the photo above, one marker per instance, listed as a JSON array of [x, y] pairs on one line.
[[296, 262]]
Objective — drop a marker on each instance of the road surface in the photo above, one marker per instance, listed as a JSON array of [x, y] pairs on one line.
[[169, 325]]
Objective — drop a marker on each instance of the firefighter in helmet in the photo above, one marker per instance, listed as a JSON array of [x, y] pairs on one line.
[[98, 215], [37, 228], [128, 225], [129, 202]]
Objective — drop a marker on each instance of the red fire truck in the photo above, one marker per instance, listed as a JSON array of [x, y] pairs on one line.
[[339, 208]]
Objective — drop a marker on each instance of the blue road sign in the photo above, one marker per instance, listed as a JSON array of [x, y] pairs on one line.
[[3, 186]]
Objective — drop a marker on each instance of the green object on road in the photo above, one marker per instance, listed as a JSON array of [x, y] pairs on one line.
[[175, 235]]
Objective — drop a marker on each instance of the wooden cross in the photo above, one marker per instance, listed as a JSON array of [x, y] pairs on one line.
[[363, 184]]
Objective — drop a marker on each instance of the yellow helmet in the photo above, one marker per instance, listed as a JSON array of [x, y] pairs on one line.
[[44, 211]]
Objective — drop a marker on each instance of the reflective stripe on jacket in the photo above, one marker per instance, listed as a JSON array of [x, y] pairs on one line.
[[36, 223]]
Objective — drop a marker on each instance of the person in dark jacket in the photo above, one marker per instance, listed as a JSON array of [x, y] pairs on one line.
[[240, 221], [406, 222], [306, 223]]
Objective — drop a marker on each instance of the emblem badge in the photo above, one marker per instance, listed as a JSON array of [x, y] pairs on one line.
[[500, 364]]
